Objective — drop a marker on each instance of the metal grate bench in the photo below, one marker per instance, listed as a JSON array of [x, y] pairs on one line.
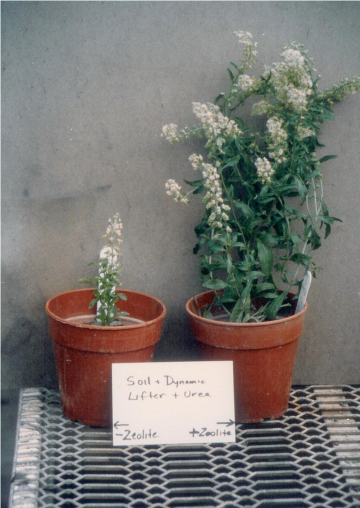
[[310, 457]]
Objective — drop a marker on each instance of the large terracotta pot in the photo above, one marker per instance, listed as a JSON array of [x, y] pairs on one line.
[[85, 352], [263, 356]]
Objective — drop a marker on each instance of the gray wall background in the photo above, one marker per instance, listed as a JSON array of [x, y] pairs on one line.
[[86, 89]]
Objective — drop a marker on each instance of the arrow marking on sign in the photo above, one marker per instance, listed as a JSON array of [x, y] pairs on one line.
[[117, 424], [228, 424]]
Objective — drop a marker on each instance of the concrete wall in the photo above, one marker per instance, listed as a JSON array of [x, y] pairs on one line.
[[87, 87]]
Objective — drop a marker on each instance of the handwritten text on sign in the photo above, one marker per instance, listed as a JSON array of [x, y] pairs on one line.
[[173, 402]]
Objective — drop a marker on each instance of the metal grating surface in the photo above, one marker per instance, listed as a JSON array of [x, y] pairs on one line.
[[310, 457]]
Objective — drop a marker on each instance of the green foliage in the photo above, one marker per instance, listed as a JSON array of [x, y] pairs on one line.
[[105, 294], [264, 206]]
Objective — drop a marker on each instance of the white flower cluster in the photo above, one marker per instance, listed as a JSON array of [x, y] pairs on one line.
[[339, 92], [304, 132], [351, 85], [245, 83], [244, 37], [293, 57], [217, 127], [218, 218], [109, 269], [111, 250], [261, 108], [278, 139], [170, 133], [174, 189], [264, 169], [173, 134], [297, 97], [113, 233], [291, 78], [250, 51]]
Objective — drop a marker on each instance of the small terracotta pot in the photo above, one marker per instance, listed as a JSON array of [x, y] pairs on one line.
[[263, 356], [84, 352]]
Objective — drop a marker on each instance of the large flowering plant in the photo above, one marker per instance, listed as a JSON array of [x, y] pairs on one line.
[[264, 210]]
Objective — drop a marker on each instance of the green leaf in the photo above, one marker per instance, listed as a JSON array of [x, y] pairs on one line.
[[293, 211], [92, 303], [270, 238], [231, 162], [265, 199], [327, 220], [230, 74], [269, 296], [215, 284], [237, 311], [195, 183], [246, 210], [315, 239], [220, 96], [273, 308], [301, 187], [246, 291], [86, 281], [229, 264], [314, 173], [295, 238], [199, 190], [199, 245], [254, 274], [300, 258], [266, 257], [264, 286], [327, 158], [235, 243], [285, 189]]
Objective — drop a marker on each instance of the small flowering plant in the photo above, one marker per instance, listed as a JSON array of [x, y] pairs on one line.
[[264, 210], [107, 279]]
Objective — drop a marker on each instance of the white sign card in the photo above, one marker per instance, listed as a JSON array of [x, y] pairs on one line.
[[173, 403]]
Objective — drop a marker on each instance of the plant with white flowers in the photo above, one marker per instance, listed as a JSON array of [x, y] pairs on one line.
[[107, 279], [264, 206]]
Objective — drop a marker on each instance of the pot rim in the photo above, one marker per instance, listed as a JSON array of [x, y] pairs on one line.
[[215, 322], [101, 327]]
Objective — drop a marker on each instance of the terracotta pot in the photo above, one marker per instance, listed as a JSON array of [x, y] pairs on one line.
[[263, 356], [85, 352]]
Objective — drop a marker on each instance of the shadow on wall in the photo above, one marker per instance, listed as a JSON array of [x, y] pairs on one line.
[[22, 333]]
